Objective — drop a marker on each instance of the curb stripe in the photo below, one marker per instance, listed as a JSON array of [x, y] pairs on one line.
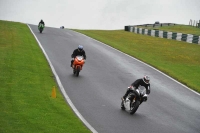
[[169, 35], [161, 34], [189, 38], [199, 40]]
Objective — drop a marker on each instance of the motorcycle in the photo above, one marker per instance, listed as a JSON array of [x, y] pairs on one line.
[[41, 27], [78, 65], [133, 100]]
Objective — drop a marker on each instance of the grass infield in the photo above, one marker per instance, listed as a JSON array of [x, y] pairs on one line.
[[26, 85]]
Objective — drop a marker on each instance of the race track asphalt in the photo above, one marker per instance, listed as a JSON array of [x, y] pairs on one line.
[[96, 93]]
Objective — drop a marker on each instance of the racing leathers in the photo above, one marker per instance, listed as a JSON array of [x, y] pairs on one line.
[[41, 22], [135, 85]]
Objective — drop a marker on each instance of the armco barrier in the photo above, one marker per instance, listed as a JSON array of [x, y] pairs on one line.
[[165, 34]]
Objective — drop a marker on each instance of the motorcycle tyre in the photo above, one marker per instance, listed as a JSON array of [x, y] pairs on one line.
[[74, 72], [136, 107], [77, 71]]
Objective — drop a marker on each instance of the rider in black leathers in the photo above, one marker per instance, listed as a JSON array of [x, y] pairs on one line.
[[78, 51], [139, 82]]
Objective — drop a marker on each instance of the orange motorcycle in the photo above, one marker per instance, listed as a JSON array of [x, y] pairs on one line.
[[77, 65]]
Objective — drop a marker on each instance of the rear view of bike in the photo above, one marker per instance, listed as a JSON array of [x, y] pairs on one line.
[[41, 28]]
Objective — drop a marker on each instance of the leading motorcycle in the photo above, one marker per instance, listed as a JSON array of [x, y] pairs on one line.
[[41, 27], [78, 65], [133, 100]]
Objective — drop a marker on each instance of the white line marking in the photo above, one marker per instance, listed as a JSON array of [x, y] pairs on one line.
[[62, 88], [144, 64]]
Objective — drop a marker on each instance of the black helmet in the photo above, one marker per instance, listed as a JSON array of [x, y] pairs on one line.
[[146, 79]]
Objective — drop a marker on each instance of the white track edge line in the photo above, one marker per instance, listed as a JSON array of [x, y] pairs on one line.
[[62, 88], [143, 63]]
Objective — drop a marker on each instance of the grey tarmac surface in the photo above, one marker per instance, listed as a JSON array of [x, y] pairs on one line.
[[96, 93]]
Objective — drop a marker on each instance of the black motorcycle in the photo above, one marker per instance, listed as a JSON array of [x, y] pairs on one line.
[[133, 100]]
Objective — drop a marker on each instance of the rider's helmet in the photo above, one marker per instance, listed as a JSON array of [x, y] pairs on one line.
[[41, 20], [80, 47], [146, 79]]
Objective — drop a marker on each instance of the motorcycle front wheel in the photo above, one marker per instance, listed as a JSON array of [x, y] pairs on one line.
[[134, 107], [74, 72], [77, 71]]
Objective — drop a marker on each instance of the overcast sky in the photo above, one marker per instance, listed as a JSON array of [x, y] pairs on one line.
[[99, 14]]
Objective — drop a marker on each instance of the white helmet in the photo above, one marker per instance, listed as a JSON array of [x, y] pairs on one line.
[[146, 79]]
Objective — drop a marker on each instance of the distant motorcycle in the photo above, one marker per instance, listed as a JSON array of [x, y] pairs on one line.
[[41, 27], [78, 65], [133, 100]]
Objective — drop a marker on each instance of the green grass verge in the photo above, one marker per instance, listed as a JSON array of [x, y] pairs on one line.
[[186, 29], [26, 84], [178, 59]]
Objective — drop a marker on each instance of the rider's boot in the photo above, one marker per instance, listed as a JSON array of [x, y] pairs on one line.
[[71, 63], [123, 98]]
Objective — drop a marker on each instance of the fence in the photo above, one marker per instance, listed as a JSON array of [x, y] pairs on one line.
[[164, 34], [194, 23], [155, 25]]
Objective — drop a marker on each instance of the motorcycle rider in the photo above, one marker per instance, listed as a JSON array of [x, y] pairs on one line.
[[139, 82], [78, 51], [41, 22]]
